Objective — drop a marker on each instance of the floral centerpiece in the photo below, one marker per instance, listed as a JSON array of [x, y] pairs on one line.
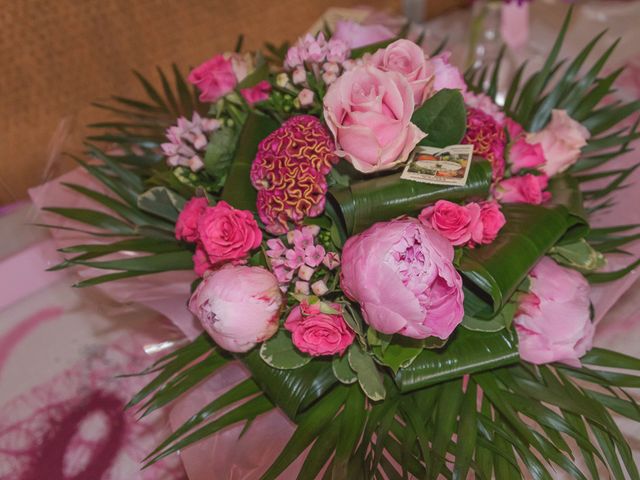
[[407, 328]]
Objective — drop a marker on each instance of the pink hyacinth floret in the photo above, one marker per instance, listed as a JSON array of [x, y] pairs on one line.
[[289, 172], [310, 49], [488, 139]]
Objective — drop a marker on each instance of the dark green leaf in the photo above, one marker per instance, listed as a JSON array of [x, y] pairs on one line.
[[443, 118]]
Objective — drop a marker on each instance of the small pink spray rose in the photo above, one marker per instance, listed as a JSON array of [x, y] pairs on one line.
[[238, 306], [214, 78], [187, 224], [402, 275], [318, 333]]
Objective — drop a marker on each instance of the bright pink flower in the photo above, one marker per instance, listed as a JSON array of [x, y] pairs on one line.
[[283, 273], [492, 221], [484, 103], [238, 306], [187, 224], [275, 248], [553, 320], [401, 273], [514, 129], [523, 154], [214, 78], [313, 255], [295, 258], [408, 59], [201, 261], [527, 188], [561, 141], [369, 113], [446, 75], [257, 93], [456, 223], [356, 35], [289, 172], [228, 234], [318, 333], [488, 139]]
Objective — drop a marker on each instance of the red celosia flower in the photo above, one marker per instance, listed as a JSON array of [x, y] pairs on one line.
[[488, 139]]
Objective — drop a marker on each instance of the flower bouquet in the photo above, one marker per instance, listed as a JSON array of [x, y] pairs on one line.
[[425, 325]]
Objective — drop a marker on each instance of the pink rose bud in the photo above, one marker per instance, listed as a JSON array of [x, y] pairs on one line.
[[299, 75], [319, 288], [458, 224], [201, 263], [318, 333], [561, 141], [402, 275], [187, 224], [492, 221], [238, 306], [374, 131], [302, 287], [228, 234], [305, 97], [306, 272], [523, 154], [553, 320]]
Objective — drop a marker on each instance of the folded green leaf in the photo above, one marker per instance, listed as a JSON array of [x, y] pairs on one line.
[[279, 352]]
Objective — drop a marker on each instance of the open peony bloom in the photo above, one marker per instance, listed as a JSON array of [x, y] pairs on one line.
[[401, 273], [369, 113], [553, 320], [238, 306], [408, 59], [561, 141]]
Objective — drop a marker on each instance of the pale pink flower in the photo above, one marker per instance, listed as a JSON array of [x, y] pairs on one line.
[[331, 260], [313, 255], [305, 97]]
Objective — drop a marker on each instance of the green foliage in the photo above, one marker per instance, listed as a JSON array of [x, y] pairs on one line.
[[279, 352], [443, 118]]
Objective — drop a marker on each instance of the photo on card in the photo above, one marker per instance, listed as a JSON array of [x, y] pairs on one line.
[[441, 166]]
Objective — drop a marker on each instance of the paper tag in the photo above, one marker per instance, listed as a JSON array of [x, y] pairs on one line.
[[441, 166]]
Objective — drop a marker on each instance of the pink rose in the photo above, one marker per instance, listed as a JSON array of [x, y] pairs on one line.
[[446, 75], [561, 141], [492, 221], [527, 188], [408, 59], [228, 234], [201, 263], [514, 129], [187, 224], [369, 113], [214, 78], [457, 223], [238, 306], [257, 93], [485, 104], [553, 320], [523, 154], [356, 35], [318, 333], [401, 273]]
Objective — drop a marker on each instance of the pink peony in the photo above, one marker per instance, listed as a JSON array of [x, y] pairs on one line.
[[553, 319], [561, 141], [488, 139], [457, 223], [401, 273], [238, 306], [318, 333], [187, 224], [257, 93], [528, 188], [523, 154], [408, 59], [369, 113], [214, 78], [289, 172], [228, 234], [356, 35], [446, 75], [492, 221]]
